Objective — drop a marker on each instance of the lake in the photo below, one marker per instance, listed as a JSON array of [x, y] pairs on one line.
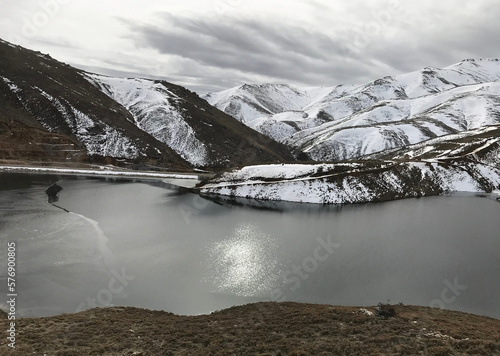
[[152, 246]]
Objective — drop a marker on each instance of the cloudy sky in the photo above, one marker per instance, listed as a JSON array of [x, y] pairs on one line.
[[209, 45]]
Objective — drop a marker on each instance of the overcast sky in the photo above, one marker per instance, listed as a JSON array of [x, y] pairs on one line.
[[209, 45]]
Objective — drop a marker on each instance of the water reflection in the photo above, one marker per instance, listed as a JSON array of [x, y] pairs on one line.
[[244, 263], [271, 205]]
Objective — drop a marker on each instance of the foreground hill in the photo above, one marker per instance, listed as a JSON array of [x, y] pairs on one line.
[[51, 111], [260, 329], [349, 121]]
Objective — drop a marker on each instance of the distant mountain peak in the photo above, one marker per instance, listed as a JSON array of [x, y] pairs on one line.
[[347, 121]]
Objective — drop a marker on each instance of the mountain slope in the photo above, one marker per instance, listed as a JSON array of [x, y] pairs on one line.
[[143, 121], [41, 93], [468, 161], [200, 133], [345, 122]]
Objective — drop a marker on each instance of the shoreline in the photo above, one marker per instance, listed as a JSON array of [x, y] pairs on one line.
[[101, 171], [187, 180]]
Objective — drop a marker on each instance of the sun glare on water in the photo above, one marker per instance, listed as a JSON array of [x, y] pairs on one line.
[[245, 262]]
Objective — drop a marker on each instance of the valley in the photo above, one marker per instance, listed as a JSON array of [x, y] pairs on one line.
[[427, 132]]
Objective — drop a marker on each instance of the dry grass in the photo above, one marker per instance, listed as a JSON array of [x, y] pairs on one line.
[[259, 329]]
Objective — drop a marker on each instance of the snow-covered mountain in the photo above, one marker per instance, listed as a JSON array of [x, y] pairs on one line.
[[468, 162], [154, 110], [41, 96], [145, 122], [349, 121], [423, 133]]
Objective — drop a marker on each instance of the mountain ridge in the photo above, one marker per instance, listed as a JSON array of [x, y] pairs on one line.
[[422, 133], [467, 162], [428, 132], [337, 123], [173, 129]]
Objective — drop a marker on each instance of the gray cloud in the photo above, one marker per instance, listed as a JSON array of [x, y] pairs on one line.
[[280, 53], [313, 42], [440, 44], [287, 51]]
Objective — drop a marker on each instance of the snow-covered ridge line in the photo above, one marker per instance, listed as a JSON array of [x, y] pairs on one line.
[[348, 121], [466, 162], [400, 180], [90, 172]]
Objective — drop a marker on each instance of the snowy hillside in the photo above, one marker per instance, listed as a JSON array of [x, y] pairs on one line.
[[127, 121], [151, 105], [249, 102], [48, 103], [108, 142], [345, 122], [201, 134], [467, 162]]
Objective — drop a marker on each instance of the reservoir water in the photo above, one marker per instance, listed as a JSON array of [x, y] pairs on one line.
[[108, 242]]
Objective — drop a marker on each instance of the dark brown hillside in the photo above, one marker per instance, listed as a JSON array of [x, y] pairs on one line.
[[232, 142], [259, 329], [42, 93], [18, 141], [31, 74]]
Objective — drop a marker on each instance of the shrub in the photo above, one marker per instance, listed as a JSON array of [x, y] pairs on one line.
[[385, 311]]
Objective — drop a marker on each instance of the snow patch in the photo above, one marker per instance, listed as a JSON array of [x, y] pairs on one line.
[[153, 108], [107, 142], [13, 87], [366, 312], [90, 172]]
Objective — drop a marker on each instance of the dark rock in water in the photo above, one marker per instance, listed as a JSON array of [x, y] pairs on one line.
[[52, 192]]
